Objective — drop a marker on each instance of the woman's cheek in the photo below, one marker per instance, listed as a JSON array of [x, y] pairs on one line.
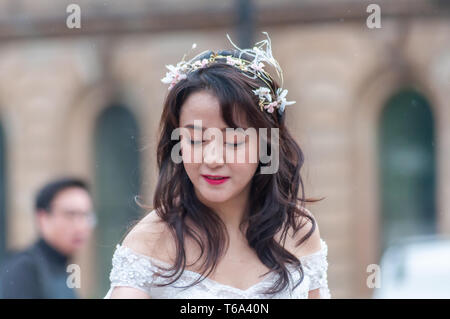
[[186, 151], [190, 167]]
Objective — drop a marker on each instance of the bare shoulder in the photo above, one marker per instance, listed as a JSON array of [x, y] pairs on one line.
[[312, 244], [149, 237]]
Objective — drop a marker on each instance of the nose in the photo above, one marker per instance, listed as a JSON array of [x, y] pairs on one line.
[[213, 154], [85, 221], [82, 226]]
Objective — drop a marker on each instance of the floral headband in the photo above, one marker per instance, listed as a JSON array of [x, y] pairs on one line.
[[268, 99]]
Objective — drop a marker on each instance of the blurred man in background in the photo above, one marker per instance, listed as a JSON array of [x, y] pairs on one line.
[[65, 220]]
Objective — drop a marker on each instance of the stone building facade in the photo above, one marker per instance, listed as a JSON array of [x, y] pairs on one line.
[[55, 84]]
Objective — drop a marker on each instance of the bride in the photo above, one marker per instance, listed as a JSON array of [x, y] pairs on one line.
[[220, 226]]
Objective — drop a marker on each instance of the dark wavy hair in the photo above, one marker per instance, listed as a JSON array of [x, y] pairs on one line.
[[274, 204]]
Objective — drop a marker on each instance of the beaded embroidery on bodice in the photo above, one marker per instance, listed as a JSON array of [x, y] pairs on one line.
[[135, 270]]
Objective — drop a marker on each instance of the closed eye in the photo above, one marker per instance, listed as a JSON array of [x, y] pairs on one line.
[[196, 142], [230, 144], [235, 144]]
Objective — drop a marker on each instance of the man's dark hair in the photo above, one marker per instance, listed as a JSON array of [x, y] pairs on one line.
[[47, 193]]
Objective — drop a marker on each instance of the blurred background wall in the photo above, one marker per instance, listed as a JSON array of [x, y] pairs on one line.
[[372, 113]]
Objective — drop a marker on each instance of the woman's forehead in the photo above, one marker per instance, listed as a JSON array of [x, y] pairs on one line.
[[203, 107]]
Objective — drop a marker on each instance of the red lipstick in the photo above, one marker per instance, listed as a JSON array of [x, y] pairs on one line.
[[215, 179]]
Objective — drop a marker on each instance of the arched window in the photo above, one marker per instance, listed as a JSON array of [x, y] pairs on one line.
[[117, 181], [3, 230], [407, 167]]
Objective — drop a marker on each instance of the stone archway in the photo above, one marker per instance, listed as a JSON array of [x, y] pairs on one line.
[[407, 167], [3, 214], [81, 122], [117, 182], [375, 92]]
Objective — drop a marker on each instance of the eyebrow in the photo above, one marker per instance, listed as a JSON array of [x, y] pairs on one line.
[[198, 127]]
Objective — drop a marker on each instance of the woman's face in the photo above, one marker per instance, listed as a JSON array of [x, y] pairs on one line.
[[201, 151]]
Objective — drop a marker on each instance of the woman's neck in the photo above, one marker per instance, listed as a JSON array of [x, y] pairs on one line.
[[231, 211]]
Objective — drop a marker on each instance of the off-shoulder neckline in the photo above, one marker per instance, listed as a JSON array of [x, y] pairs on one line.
[[153, 260]]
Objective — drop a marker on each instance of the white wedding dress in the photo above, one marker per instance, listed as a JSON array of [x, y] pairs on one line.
[[130, 269]]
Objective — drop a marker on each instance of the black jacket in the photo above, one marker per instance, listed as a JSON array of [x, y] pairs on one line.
[[38, 272]]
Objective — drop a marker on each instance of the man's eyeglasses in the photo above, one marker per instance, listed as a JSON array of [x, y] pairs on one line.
[[90, 217]]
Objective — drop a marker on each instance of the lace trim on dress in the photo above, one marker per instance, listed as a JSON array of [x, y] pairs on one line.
[[135, 270], [315, 267]]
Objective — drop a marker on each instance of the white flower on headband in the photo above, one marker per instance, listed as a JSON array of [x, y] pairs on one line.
[[200, 64], [175, 74], [270, 106], [263, 93], [260, 55], [257, 67], [230, 60], [265, 99], [281, 99], [179, 72]]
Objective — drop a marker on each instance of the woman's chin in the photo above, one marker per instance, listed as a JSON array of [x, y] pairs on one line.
[[214, 196]]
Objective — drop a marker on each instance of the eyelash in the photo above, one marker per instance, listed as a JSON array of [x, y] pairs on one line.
[[231, 144]]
